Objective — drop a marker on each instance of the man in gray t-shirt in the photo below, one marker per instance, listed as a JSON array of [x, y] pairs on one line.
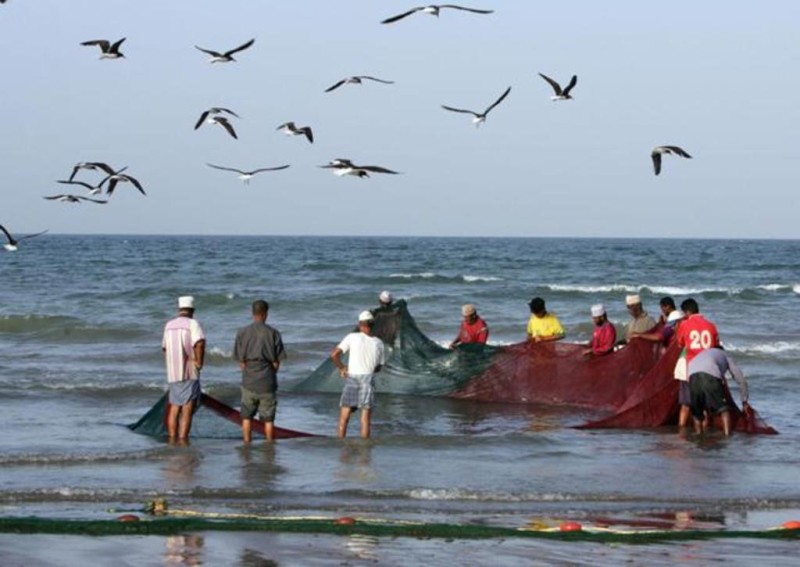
[[259, 350]]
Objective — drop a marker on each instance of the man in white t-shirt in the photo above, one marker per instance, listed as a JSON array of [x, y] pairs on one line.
[[184, 346], [366, 357]]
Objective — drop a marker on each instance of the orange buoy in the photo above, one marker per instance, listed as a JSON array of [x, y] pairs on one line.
[[128, 518], [345, 521], [570, 527], [791, 525]]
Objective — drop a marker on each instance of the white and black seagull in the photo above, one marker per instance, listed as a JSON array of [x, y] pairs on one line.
[[69, 198], [433, 10], [660, 150], [119, 177], [479, 117], [245, 176], [92, 189], [342, 167], [290, 129], [356, 80], [108, 50], [218, 120], [91, 165], [226, 56], [561, 94], [13, 242], [213, 110]]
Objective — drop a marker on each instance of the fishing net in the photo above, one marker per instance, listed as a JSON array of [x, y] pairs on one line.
[[206, 422], [634, 384]]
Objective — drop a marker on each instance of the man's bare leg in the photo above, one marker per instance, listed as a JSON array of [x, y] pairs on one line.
[[683, 416], [366, 415], [186, 421], [344, 417], [246, 430], [269, 431], [172, 421], [726, 422]]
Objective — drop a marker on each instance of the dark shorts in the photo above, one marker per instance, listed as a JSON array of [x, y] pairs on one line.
[[264, 404], [707, 394], [358, 391], [181, 393], [684, 394]]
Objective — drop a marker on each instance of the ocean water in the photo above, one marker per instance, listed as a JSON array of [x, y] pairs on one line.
[[80, 326]]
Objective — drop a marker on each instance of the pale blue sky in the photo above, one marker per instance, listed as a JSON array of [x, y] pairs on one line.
[[718, 78]]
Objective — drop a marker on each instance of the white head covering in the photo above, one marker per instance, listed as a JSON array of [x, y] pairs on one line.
[[385, 297], [676, 315], [468, 309], [365, 317], [632, 299], [598, 310], [186, 302]]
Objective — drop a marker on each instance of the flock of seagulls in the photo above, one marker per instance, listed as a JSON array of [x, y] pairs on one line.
[[221, 116]]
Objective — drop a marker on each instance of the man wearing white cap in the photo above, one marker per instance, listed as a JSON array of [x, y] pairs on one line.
[[641, 322], [604, 336], [385, 299], [184, 345], [473, 330], [366, 357]]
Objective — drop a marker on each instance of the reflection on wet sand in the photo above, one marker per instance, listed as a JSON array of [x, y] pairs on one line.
[[184, 550], [356, 460], [181, 464]]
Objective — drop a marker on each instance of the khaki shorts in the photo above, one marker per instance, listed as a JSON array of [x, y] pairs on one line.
[[264, 404]]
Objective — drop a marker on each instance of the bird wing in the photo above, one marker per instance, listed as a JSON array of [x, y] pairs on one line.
[[473, 10], [498, 101], [209, 51], [376, 169], [227, 125], [335, 86], [403, 15], [289, 125], [136, 184], [98, 201], [228, 111], [227, 168], [555, 85], [115, 46], [8, 235], [105, 167], [267, 169], [70, 182], [240, 48], [30, 235], [679, 151], [309, 134], [54, 197], [103, 43], [656, 161], [375, 79], [572, 82], [111, 186], [202, 119], [451, 109]]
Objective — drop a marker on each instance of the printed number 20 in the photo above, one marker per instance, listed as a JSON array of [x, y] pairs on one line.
[[700, 340]]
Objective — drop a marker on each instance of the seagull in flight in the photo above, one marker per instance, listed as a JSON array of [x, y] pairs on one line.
[[119, 177], [219, 120], [213, 110], [93, 189], [356, 80], [342, 167], [91, 165], [108, 50], [69, 198], [561, 94], [433, 10], [290, 129], [479, 118], [227, 56], [13, 242], [245, 176], [660, 150]]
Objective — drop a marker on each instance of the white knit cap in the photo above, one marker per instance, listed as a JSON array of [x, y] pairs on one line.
[[385, 297], [632, 299], [468, 309], [676, 315], [186, 302], [365, 317], [598, 310]]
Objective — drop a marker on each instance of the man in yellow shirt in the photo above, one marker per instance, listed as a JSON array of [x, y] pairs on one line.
[[543, 326]]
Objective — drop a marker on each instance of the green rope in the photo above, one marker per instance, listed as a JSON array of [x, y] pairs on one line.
[[172, 526]]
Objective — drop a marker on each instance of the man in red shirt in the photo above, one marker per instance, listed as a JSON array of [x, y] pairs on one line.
[[695, 333], [604, 336], [473, 328]]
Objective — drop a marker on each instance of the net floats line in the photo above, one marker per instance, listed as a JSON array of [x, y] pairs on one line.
[[131, 524]]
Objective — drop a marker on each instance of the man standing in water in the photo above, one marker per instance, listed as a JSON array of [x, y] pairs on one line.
[[367, 356], [259, 350], [707, 388], [640, 321], [184, 346], [473, 330]]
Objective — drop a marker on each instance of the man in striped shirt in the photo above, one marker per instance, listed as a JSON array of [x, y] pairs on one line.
[[184, 345]]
